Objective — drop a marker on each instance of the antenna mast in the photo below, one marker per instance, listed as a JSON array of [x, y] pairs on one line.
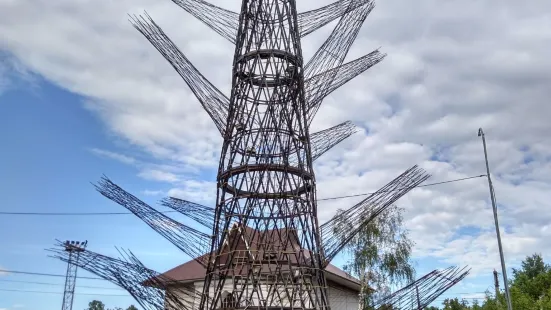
[[73, 248]]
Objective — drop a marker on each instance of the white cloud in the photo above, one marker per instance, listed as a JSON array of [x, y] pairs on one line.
[[13, 74], [148, 192], [196, 191], [4, 80], [158, 175], [116, 156], [453, 67]]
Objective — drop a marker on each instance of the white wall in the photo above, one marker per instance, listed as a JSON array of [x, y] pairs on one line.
[[343, 299], [339, 298]]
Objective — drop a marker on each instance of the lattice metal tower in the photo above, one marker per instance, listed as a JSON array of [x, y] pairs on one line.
[[265, 177], [73, 249], [264, 247]]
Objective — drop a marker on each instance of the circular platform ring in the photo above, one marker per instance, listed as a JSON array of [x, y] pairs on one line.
[[264, 80], [267, 53], [235, 171]]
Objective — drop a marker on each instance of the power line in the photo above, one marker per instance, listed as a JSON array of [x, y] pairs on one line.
[[172, 211], [44, 274], [425, 185], [61, 284], [58, 293], [74, 213]]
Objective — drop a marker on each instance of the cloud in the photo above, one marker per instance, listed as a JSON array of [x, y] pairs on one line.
[[196, 191], [158, 175], [14, 74], [116, 156], [148, 192], [3, 272], [452, 67]]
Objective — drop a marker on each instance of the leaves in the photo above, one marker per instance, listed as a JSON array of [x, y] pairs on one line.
[[98, 305], [95, 305], [380, 253], [530, 289]]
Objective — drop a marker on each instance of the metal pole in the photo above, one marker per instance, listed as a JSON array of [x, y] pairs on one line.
[[494, 206]]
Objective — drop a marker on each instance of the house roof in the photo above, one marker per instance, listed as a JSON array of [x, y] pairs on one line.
[[193, 271]]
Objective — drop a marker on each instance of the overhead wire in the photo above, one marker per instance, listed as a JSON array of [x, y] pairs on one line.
[[172, 211], [44, 274], [61, 293], [61, 284]]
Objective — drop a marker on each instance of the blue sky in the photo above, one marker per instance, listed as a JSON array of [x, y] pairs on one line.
[[49, 168], [82, 94]]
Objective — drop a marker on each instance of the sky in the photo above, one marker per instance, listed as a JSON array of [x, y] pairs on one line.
[[82, 94]]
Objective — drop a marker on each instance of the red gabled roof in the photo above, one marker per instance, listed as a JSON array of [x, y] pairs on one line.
[[193, 270]]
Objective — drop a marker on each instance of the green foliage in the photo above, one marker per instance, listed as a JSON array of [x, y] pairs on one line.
[[530, 289], [380, 253], [534, 278], [98, 305], [95, 305], [455, 304]]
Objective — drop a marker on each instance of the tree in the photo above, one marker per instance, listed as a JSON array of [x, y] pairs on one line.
[[98, 305], [380, 253], [95, 305], [455, 304], [530, 289], [533, 278]]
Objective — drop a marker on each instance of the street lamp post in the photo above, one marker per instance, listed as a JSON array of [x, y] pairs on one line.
[[494, 207]]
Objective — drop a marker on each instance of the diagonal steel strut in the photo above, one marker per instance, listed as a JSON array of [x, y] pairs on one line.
[[148, 287], [189, 240], [215, 103], [338, 231]]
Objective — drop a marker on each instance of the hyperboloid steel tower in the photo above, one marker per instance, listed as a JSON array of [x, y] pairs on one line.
[[264, 247], [265, 177]]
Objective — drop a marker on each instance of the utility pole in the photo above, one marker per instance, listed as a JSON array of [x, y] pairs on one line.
[[74, 249], [494, 207], [496, 284]]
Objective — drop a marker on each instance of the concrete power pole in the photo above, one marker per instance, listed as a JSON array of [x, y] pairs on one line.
[[494, 207], [496, 284]]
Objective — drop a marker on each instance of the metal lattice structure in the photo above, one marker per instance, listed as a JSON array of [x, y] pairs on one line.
[[262, 244], [72, 250], [154, 291], [422, 292]]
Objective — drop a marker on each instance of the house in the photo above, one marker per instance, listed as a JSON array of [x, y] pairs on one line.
[[343, 289]]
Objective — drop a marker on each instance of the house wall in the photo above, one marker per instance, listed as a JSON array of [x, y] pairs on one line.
[[340, 298]]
